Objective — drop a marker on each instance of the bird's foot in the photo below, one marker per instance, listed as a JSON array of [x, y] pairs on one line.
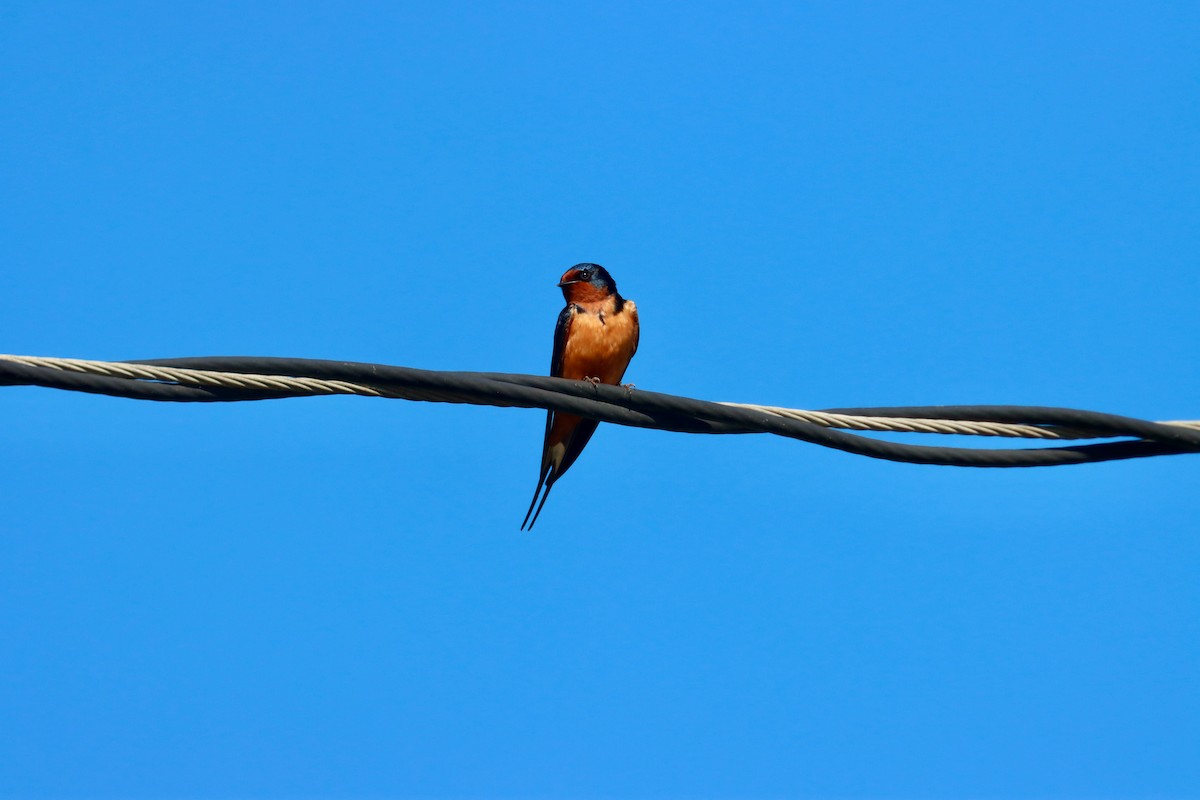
[[629, 387], [593, 381]]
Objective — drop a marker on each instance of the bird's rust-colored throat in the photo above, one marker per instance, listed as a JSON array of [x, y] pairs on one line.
[[583, 293]]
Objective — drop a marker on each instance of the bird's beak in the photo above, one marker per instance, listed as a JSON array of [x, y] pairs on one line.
[[566, 283]]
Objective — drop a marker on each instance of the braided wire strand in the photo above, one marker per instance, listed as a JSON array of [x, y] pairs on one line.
[[318, 386], [242, 378]]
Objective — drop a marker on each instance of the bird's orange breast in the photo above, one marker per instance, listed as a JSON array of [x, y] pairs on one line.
[[601, 342]]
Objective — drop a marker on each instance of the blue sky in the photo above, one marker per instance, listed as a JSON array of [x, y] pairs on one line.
[[814, 205]]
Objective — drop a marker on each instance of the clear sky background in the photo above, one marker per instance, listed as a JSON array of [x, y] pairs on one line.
[[814, 205]]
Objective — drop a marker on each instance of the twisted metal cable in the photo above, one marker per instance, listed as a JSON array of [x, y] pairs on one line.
[[299, 386], [223, 378]]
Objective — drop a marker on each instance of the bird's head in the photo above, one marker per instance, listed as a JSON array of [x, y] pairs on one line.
[[587, 283]]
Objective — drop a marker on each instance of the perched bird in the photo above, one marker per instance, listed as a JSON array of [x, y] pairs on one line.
[[596, 336]]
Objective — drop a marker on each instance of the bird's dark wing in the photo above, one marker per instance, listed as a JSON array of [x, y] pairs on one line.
[[561, 330], [584, 430]]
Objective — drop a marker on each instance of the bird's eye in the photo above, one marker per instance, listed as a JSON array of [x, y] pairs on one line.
[[585, 275]]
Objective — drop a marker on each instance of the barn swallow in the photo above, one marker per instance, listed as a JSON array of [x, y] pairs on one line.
[[596, 336]]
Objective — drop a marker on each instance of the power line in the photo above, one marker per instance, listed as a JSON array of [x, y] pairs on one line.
[[235, 378]]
